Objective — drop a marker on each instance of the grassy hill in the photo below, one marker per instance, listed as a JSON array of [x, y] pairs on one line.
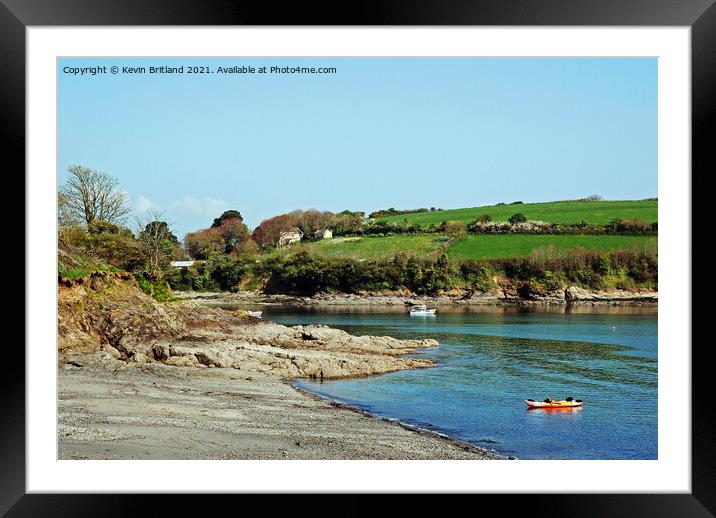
[[511, 245], [593, 212], [469, 247], [377, 247], [486, 246]]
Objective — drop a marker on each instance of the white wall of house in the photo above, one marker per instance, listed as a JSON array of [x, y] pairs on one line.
[[288, 238]]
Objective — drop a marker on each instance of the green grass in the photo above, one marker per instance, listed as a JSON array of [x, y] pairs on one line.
[[472, 246], [378, 247], [593, 212], [483, 246], [72, 274]]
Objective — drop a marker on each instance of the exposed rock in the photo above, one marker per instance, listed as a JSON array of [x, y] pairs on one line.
[[576, 294], [135, 328], [505, 292], [160, 352]]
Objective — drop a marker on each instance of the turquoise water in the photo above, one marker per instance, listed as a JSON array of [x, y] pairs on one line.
[[491, 359]]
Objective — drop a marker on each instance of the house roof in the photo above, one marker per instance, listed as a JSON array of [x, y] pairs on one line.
[[182, 263]]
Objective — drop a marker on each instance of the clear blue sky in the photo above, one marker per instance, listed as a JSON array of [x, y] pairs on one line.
[[381, 132]]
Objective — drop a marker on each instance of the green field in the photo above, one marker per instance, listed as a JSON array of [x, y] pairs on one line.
[[593, 212], [482, 246], [472, 246], [378, 247]]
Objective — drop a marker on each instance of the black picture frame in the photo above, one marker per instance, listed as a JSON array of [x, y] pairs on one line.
[[700, 15]]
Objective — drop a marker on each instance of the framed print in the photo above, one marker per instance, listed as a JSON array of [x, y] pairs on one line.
[[402, 251]]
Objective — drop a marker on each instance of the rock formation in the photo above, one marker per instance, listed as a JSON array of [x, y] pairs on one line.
[[116, 317]]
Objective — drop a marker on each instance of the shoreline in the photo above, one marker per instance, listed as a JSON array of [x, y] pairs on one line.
[[413, 428], [579, 298], [139, 379], [109, 409]]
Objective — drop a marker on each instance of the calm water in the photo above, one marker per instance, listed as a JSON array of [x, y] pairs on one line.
[[491, 359]]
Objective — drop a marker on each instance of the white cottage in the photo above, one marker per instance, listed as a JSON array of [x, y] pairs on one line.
[[323, 234], [292, 236]]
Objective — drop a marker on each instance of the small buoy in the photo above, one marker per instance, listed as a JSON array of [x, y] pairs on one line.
[[614, 328]]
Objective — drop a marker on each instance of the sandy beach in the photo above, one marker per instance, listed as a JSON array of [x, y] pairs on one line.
[[138, 379], [111, 409]]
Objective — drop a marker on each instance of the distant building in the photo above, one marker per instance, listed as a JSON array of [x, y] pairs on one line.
[[292, 236], [323, 234], [179, 264]]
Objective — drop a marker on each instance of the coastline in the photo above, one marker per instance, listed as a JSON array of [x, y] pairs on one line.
[[569, 297], [491, 454], [140, 379], [110, 409]]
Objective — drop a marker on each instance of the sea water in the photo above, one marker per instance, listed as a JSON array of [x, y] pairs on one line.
[[490, 359]]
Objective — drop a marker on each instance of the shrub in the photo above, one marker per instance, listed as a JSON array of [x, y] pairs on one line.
[[517, 218], [630, 226], [157, 288], [102, 227], [454, 229]]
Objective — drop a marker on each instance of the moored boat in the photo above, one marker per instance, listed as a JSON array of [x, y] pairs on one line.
[[421, 309]]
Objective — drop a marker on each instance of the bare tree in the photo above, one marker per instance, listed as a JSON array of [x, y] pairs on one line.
[[155, 241], [66, 216], [94, 195]]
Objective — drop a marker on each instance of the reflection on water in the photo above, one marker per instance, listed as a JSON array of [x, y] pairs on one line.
[[636, 309], [492, 358]]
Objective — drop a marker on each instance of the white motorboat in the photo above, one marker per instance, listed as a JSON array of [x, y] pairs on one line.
[[420, 310], [256, 314]]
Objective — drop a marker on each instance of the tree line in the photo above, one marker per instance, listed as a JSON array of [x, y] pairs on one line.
[[92, 220]]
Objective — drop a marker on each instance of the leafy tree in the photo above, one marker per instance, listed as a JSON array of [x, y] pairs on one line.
[[233, 232], [484, 218], [248, 247], [227, 215], [93, 195], [517, 218], [202, 243], [269, 231]]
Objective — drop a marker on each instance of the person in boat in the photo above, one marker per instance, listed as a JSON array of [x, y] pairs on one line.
[[549, 399]]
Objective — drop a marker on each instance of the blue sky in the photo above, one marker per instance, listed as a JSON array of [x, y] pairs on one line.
[[379, 133]]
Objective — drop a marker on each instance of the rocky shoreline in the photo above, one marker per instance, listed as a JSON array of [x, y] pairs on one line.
[[140, 379], [184, 380], [571, 295]]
